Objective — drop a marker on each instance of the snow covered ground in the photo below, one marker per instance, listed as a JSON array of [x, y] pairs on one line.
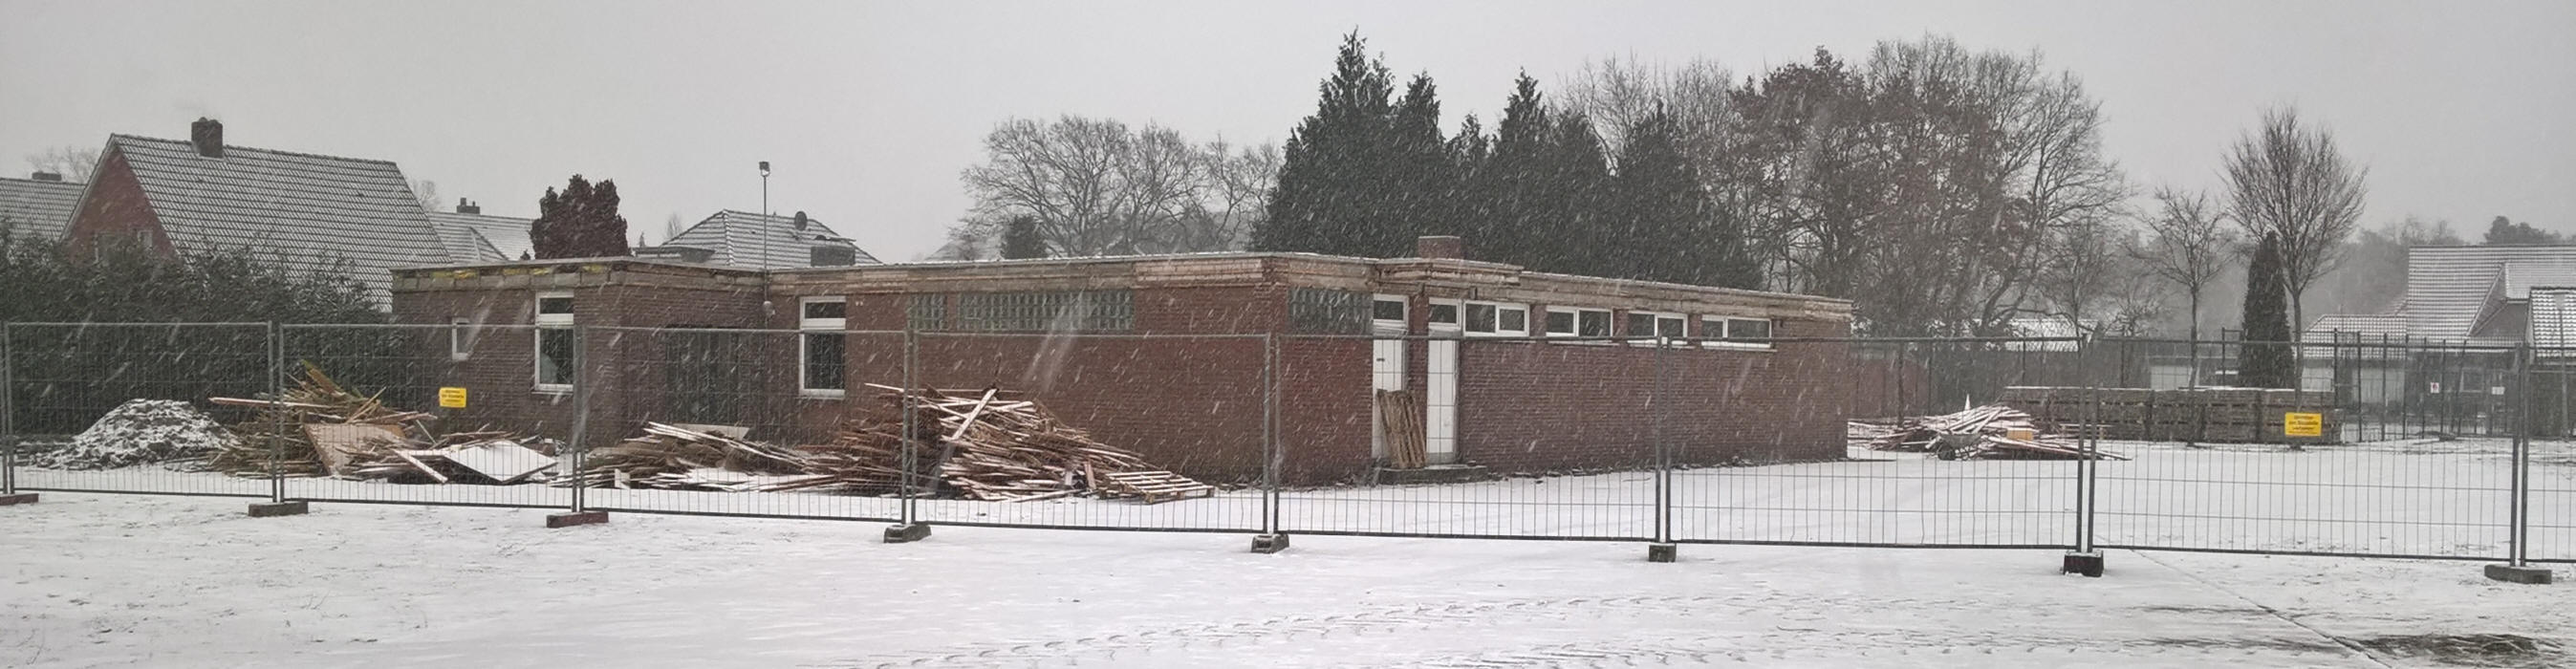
[[118, 580]]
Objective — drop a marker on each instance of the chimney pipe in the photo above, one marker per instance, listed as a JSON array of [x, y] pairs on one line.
[[208, 135], [1440, 246], [42, 175], [800, 221], [465, 206]]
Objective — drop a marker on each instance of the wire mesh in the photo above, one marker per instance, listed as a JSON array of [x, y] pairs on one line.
[[1470, 436], [471, 383], [1781, 465], [2415, 460], [124, 407], [1192, 405], [2549, 505]]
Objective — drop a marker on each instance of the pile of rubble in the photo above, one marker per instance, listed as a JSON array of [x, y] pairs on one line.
[[139, 432], [321, 429], [1992, 432]]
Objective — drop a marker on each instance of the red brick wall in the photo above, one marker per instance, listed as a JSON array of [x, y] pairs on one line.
[[115, 208]]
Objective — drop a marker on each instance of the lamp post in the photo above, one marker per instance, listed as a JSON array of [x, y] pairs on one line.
[[764, 213]]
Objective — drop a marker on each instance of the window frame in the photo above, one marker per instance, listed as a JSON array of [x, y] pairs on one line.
[[1724, 335], [806, 329], [1402, 324], [1493, 319], [545, 323], [459, 346], [1577, 314], [1457, 310]]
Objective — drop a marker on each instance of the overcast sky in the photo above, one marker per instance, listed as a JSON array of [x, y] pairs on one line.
[[869, 110]]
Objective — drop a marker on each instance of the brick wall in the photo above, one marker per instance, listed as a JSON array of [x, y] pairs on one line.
[[115, 208]]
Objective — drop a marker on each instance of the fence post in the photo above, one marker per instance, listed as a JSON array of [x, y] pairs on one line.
[[9, 494], [1657, 402], [2085, 558], [277, 504], [1273, 455], [579, 446], [907, 527], [2517, 567]]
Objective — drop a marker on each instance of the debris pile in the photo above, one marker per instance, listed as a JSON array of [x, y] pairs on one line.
[[321, 429], [981, 446], [142, 432], [1993, 431], [686, 457]]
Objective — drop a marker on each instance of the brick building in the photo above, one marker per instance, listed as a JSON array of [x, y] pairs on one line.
[[1513, 371]]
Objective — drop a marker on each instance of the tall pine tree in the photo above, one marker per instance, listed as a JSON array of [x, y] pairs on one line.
[[2265, 361], [1020, 239], [1574, 229], [1423, 178], [1506, 198], [1664, 218], [1333, 194]]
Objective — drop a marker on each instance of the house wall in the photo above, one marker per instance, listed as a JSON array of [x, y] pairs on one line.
[[116, 208]]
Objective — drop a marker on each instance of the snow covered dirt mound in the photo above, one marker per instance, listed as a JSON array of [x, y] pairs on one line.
[[141, 432]]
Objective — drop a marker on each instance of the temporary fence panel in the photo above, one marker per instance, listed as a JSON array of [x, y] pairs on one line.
[[726, 421], [1549, 437], [2422, 469], [129, 407], [1836, 441], [462, 413], [1078, 425]]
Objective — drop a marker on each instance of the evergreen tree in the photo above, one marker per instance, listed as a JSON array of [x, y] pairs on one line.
[[2265, 361], [579, 222], [1664, 215], [1574, 230], [1020, 239], [1504, 196], [1423, 180], [1332, 195]]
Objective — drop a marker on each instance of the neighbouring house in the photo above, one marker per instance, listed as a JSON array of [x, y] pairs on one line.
[[1488, 367], [2447, 343], [506, 236], [754, 241], [39, 206], [312, 212]]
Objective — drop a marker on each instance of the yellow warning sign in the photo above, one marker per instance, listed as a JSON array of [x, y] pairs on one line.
[[451, 397], [2303, 424]]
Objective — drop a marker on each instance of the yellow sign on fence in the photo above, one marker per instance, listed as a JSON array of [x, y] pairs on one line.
[[2303, 424], [451, 397]]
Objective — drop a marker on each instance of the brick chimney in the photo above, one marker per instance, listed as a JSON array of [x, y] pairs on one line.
[[800, 221], [465, 206], [1440, 246], [208, 135], [42, 175]]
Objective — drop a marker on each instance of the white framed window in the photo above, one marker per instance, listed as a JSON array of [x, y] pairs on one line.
[[554, 370], [1386, 315], [822, 347], [460, 337], [1645, 327], [1577, 322], [1444, 315], [1496, 319], [1735, 332]]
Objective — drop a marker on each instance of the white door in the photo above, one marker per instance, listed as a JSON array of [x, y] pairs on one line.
[[1386, 362], [1440, 401]]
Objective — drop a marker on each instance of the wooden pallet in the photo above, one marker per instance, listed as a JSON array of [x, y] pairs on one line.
[[1154, 486]]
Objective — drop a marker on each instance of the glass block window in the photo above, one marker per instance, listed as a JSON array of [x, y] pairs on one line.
[[1058, 311], [1325, 311], [926, 312]]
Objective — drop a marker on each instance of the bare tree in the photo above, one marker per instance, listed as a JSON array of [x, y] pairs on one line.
[[1096, 187], [2294, 182], [73, 163], [671, 227], [427, 192], [2188, 245]]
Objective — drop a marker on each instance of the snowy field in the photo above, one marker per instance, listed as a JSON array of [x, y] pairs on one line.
[[149, 581]]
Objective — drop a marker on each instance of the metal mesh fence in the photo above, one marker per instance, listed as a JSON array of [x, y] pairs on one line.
[[2438, 451], [125, 407]]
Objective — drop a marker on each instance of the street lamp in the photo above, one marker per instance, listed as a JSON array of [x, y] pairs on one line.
[[764, 215]]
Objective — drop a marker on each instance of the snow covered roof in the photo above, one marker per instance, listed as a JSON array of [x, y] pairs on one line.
[[38, 209], [744, 239], [2367, 325], [308, 209], [506, 235], [2448, 287]]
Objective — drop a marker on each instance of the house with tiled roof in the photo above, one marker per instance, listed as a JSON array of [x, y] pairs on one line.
[[754, 241], [312, 212], [506, 236], [2462, 295], [37, 207]]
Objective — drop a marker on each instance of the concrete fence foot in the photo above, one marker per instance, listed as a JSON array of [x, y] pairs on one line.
[[17, 499], [575, 518], [270, 510], [2518, 574], [906, 533], [1663, 553], [2088, 564], [1269, 543]]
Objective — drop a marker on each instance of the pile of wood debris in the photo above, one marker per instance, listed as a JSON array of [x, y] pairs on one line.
[[686, 457], [1993, 431], [321, 429], [982, 445]]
